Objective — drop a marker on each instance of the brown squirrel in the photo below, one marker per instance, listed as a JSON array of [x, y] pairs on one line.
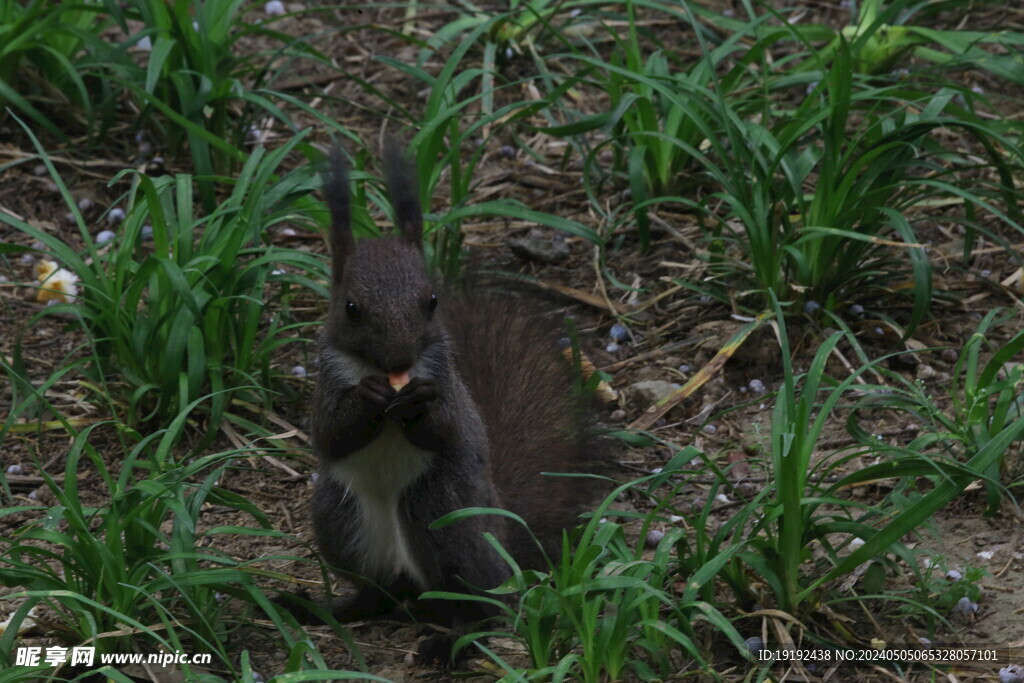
[[429, 402]]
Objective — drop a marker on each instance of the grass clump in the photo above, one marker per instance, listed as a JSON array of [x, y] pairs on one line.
[[807, 176], [604, 609], [980, 405], [180, 314], [460, 116], [195, 81], [44, 51], [139, 571]]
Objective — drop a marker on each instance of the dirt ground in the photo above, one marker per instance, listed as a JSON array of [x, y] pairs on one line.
[[673, 335]]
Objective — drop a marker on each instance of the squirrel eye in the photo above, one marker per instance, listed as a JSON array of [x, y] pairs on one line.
[[432, 304], [353, 311]]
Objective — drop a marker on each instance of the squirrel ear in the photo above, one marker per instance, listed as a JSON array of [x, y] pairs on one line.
[[336, 192], [400, 175]]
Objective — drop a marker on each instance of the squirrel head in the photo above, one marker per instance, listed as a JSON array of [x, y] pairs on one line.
[[383, 302]]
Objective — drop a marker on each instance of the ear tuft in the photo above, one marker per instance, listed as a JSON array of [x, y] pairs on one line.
[[400, 175], [337, 195]]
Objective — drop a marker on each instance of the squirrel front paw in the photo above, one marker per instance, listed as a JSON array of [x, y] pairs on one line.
[[413, 401], [376, 393]]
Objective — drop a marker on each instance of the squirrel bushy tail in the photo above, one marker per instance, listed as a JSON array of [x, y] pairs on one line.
[[510, 354]]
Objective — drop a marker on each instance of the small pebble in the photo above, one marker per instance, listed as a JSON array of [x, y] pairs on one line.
[[277, 271], [257, 677], [147, 232], [654, 538], [709, 429], [255, 133], [509, 53], [757, 386], [116, 215], [612, 347], [287, 232], [965, 606], [299, 371], [105, 236], [617, 416], [314, 476], [954, 575], [978, 90], [684, 368], [986, 273], [1013, 673], [145, 148], [619, 333], [857, 309], [32, 495], [722, 498], [924, 642], [507, 152], [140, 135], [675, 519], [856, 542], [810, 87], [755, 645], [145, 44], [656, 470], [27, 259], [39, 169], [69, 218], [14, 469], [219, 597], [986, 554], [85, 204], [811, 306], [949, 355], [274, 8], [879, 332]]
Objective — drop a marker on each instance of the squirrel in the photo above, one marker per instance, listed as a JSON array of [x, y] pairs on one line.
[[429, 401]]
